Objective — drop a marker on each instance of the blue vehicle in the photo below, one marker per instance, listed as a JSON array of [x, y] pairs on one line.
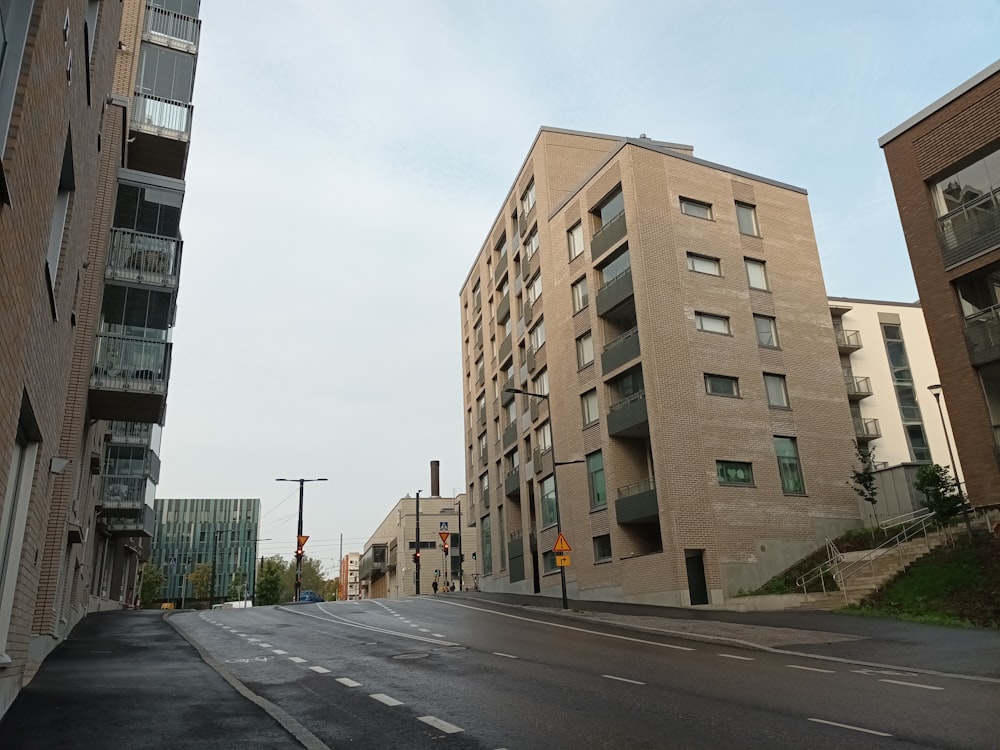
[[310, 596]]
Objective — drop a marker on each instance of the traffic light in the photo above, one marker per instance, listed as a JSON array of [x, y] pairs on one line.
[[299, 552], [416, 557], [445, 548], [473, 555]]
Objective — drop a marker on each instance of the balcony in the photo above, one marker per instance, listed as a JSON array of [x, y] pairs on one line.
[[142, 525], [510, 435], [628, 417], [848, 341], [161, 117], [982, 336], [124, 496], [484, 497], [512, 483], [501, 270], [143, 258], [866, 430], [858, 388], [515, 556], [373, 562], [505, 396], [503, 309], [129, 382], [479, 339], [970, 231], [614, 291], [170, 29], [130, 433], [481, 377], [608, 236], [620, 350], [637, 503], [505, 349]]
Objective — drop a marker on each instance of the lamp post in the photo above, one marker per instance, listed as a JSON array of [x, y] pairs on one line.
[[416, 552], [215, 549], [555, 481], [461, 554], [936, 392], [298, 548]]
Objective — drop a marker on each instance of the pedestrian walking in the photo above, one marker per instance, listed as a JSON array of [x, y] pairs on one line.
[[434, 586]]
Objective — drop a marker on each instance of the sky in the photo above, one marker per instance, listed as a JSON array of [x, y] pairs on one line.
[[348, 159]]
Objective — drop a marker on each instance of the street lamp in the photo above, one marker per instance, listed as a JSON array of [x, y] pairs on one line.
[[298, 547], [215, 550], [416, 553], [555, 481], [936, 393]]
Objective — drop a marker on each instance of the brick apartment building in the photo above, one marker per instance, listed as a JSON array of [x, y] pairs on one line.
[[83, 113], [944, 163], [672, 312]]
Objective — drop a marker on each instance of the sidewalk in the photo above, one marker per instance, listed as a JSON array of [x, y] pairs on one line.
[[128, 680]]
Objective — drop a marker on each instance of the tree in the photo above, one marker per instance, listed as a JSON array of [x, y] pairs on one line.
[[152, 581], [201, 580], [272, 569], [863, 481], [941, 495], [312, 578], [238, 586], [330, 588]]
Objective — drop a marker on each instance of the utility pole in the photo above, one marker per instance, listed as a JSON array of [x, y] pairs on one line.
[[299, 552], [416, 563], [461, 554], [215, 550]]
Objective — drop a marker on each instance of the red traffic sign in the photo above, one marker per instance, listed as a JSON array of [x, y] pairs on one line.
[[302, 540], [445, 536], [561, 544]]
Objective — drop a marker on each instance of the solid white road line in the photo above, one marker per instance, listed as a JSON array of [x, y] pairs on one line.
[[734, 656], [438, 635], [337, 620], [424, 630], [297, 659], [437, 723], [242, 635], [506, 656], [279, 651], [811, 669], [848, 726], [321, 670], [381, 698], [913, 684], [348, 682], [623, 679], [265, 645]]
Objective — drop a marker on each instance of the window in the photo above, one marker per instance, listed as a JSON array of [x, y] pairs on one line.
[[756, 274], [696, 208], [595, 480], [746, 218], [588, 402], [165, 74], [767, 331], [528, 197], [585, 350], [777, 392], [734, 472], [486, 542], [575, 239], [60, 212], [540, 383], [543, 437], [704, 264], [534, 288], [711, 323], [789, 466], [548, 491], [602, 547], [612, 206], [15, 20], [722, 385], [531, 244], [581, 297], [549, 562], [538, 335]]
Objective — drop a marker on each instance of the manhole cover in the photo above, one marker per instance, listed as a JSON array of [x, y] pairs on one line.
[[409, 656]]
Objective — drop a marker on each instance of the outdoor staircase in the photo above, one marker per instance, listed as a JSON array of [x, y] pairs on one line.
[[861, 574]]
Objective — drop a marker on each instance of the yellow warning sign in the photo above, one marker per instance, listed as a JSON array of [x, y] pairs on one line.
[[561, 544], [302, 540], [562, 561]]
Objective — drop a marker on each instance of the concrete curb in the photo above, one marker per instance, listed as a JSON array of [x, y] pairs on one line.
[[287, 722]]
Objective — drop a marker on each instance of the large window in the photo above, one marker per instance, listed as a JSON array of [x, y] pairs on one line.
[[756, 274], [602, 548], [746, 217], [585, 350], [575, 239], [540, 383], [486, 542], [777, 392], [543, 437], [711, 323], [534, 288], [704, 264], [734, 472], [615, 267], [528, 198], [588, 402], [153, 211], [722, 385], [967, 202], [595, 480], [165, 73], [538, 335], [767, 331], [789, 466], [531, 244], [612, 206], [906, 397], [580, 295], [550, 513], [696, 208]]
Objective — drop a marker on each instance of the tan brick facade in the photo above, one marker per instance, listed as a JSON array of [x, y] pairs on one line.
[[743, 534], [955, 132]]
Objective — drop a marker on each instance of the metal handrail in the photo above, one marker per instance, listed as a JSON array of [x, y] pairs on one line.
[[635, 488], [917, 526], [619, 339], [833, 558], [637, 396], [905, 518]]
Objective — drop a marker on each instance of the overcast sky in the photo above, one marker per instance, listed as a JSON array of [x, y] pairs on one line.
[[348, 159]]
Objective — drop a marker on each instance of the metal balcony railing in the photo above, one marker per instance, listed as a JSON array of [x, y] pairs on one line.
[[866, 429], [136, 433], [637, 396], [858, 387], [181, 32], [637, 487], [124, 361], [124, 494], [142, 257], [163, 117]]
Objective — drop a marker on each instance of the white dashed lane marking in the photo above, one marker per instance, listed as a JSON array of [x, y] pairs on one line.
[[734, 656], [506, 656], [381, 698], [438, 635], [623, 679], [265, 645], [853, 728], [321, 670], [913, 684], [348, 682], [297, 659], [440, 724], [280, 652], [810, 669]]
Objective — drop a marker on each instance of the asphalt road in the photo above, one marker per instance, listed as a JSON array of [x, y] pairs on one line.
[[458, 673]]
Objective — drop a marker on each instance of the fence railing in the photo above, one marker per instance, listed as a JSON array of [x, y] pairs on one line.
[[145, 257], [867, 562], [130, 432], [821, 571], [154, 114], [637, 487], [173, 25], [131, 361]]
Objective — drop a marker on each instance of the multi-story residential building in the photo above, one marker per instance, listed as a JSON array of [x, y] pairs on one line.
[[349, 588], [222, 533], [944, 163], [672, 314], [387, 568], [84, 126], [890, 375]]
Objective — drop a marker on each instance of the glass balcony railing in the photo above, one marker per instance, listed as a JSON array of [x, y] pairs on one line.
[[848, 341], [127, 362], [145, 258], [970, 231]]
